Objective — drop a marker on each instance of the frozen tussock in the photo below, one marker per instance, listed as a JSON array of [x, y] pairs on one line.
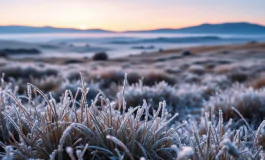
[[248, 101], [42, 128], [182, 99]]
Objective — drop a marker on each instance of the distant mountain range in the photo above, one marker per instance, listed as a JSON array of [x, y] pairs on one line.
[[223, 28], [28, 29]]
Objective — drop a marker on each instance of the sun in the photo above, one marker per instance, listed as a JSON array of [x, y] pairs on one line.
[[83, 27]]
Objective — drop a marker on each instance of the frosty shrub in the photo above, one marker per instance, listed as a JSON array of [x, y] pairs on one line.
[[17, 71], [185, 98], [217, 81], [221, 141], [74, 87], [249, 102], [69, 129], [46, 84], [153, 77], [149, 78], [106, 78]]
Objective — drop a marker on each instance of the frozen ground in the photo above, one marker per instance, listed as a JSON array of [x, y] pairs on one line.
[[201, 84]]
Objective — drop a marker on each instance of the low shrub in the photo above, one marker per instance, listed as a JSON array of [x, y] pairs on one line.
[[100, 56], [183, 99], [248, 101], [105, 78], [26, 72], [153, 77]]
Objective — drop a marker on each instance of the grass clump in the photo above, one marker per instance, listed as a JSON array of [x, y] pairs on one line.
[[248, 101], [154, 77], [183, 99], [26, 72], [106, 78], [221, 141], [45, 129]]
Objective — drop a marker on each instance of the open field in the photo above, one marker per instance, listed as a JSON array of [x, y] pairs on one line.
[[204, 102]]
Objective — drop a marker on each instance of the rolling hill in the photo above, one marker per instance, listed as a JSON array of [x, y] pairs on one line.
[[222, 28], [28, 29]]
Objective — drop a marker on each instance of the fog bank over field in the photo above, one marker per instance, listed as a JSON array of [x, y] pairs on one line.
[[84, 43]]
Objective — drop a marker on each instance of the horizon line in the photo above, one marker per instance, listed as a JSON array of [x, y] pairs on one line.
[[121, 31]]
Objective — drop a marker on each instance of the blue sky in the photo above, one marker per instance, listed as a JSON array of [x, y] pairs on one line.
[[129, 14]]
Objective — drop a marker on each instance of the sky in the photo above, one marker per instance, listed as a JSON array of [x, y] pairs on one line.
[[120, 15]]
